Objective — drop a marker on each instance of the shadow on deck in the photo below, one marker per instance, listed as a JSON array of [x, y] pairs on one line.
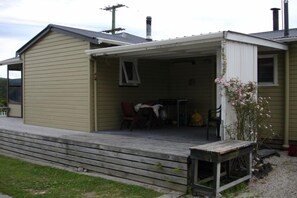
[[157, 157]]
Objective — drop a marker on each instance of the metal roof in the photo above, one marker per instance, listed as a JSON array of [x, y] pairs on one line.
[[193, 46], [121, 37], [88, 35], [277, 35]]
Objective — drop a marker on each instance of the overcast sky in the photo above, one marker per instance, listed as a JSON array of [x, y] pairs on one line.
[[20, 20]]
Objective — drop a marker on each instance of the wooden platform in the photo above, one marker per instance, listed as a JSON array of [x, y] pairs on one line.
[[154, 157], [218, 153]]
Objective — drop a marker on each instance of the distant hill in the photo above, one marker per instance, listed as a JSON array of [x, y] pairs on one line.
[[16, 81]]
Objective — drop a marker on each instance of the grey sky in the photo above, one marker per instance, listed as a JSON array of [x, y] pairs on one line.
[[20, 20]]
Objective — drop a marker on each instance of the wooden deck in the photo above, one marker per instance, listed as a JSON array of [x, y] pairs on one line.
[[156, 157]]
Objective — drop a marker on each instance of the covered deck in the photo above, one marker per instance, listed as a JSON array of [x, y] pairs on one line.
[[182, 68]]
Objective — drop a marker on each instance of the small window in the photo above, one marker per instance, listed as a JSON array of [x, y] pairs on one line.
[[129, 72], [267, 70]]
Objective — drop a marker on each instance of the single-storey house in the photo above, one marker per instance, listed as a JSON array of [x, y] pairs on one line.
[[76, 79]]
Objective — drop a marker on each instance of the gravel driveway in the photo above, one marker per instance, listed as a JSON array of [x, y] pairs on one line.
[[281, 182]]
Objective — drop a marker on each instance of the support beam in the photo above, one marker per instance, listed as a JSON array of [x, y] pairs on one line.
[[287, 100]]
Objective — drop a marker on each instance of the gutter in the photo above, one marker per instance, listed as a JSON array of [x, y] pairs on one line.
[[291, 39]]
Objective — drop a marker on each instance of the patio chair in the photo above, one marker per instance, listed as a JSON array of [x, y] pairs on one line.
[[130, 116], [214, 116]]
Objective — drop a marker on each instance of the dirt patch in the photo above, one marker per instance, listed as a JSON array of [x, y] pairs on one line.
[[89, 195], [37, 192]]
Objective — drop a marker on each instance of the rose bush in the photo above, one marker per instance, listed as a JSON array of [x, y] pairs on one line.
[[252, 112]]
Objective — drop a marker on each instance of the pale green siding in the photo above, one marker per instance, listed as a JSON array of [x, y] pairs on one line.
[[277, 93], [159, 80], [57, 83], [293, 92], [277, 98]]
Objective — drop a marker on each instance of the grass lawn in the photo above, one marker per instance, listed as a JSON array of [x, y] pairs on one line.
[[22, 179]]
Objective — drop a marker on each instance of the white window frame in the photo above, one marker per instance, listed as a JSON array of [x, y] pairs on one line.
[[275, 70], [123, 73]]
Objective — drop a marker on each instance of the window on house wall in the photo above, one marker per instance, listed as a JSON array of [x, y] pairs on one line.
[[129, 72], [267, 70], [14, 86]]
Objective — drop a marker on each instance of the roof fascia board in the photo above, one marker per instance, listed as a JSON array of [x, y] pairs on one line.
[[234, 36], [157, 44], [292, 39], [11, 61]]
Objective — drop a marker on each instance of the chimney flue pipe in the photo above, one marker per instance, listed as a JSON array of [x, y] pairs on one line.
[[286, 18], [149, 28], [275, 18]]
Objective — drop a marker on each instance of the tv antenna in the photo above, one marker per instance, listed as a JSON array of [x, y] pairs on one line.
[[112, 9]]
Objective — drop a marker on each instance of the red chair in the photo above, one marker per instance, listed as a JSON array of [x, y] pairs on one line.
[[130, 116]]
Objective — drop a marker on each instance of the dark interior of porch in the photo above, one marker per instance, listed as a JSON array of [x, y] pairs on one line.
[[184, 87], [182, 90]]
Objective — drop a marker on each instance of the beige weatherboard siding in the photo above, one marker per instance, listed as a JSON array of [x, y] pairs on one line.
[[57, 83]]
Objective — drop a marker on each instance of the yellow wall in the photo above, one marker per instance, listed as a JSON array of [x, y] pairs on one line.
[[57, 83]]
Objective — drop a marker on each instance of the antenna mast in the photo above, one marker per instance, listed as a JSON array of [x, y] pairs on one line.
[[112, 9]]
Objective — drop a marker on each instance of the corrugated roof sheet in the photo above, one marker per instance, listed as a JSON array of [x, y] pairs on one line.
[[122, 37]]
